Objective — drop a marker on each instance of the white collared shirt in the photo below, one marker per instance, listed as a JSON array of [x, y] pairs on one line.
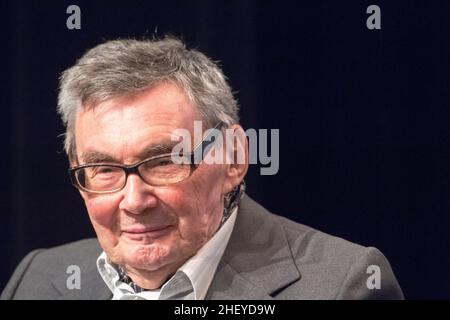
[[199, 269]]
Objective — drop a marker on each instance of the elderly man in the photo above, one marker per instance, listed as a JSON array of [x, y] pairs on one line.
[[170, 229]]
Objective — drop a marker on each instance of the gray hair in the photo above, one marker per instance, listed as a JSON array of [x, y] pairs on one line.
[[126, 66]]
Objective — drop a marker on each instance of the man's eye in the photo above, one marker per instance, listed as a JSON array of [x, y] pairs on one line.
[[100, 171]]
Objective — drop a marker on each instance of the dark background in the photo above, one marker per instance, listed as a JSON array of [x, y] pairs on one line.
[[363, 117]]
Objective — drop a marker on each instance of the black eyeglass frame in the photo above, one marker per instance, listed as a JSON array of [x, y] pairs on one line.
[[195, 158]]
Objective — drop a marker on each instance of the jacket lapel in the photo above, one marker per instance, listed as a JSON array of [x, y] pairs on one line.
[[257, 263]]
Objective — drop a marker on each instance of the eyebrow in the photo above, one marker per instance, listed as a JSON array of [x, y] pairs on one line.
[[148, 152], [96, 157]]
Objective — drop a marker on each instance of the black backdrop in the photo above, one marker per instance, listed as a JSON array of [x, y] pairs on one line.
[[363, 117]]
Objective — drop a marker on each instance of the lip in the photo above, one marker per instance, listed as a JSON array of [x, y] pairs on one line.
[[140, 233]]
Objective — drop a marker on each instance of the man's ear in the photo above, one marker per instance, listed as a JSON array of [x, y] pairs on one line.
[[236, 148]]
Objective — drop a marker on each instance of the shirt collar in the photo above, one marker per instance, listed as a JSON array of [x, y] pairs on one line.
[[200, 268]]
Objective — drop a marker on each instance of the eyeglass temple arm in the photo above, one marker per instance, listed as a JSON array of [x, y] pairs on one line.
[[203, 148]]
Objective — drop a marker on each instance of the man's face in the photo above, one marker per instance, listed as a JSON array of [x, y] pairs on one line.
[[143, 227]]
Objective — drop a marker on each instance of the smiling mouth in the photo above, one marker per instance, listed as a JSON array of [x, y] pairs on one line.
[[140, 233]]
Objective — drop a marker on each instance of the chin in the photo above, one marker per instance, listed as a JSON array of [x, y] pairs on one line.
[[148, 257]]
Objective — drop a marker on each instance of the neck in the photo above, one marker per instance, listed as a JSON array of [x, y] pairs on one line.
[[151, 280]]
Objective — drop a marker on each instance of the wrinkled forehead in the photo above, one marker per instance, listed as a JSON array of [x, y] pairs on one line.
[[125, 127], [164, 100]]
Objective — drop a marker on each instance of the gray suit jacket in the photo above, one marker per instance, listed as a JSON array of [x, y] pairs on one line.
[[267, 257]]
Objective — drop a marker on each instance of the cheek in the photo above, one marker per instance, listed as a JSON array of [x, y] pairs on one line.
[[199, 207], [207, 189], [102, 210]]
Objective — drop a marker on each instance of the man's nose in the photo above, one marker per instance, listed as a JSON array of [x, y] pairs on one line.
[[137, 196]]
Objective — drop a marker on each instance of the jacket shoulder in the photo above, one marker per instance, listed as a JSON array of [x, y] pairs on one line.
[[308, 242], [334, 268], [79, 250], [83, 253], [35, 274]]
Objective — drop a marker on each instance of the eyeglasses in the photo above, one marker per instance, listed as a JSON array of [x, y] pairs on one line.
[[161, 170]]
